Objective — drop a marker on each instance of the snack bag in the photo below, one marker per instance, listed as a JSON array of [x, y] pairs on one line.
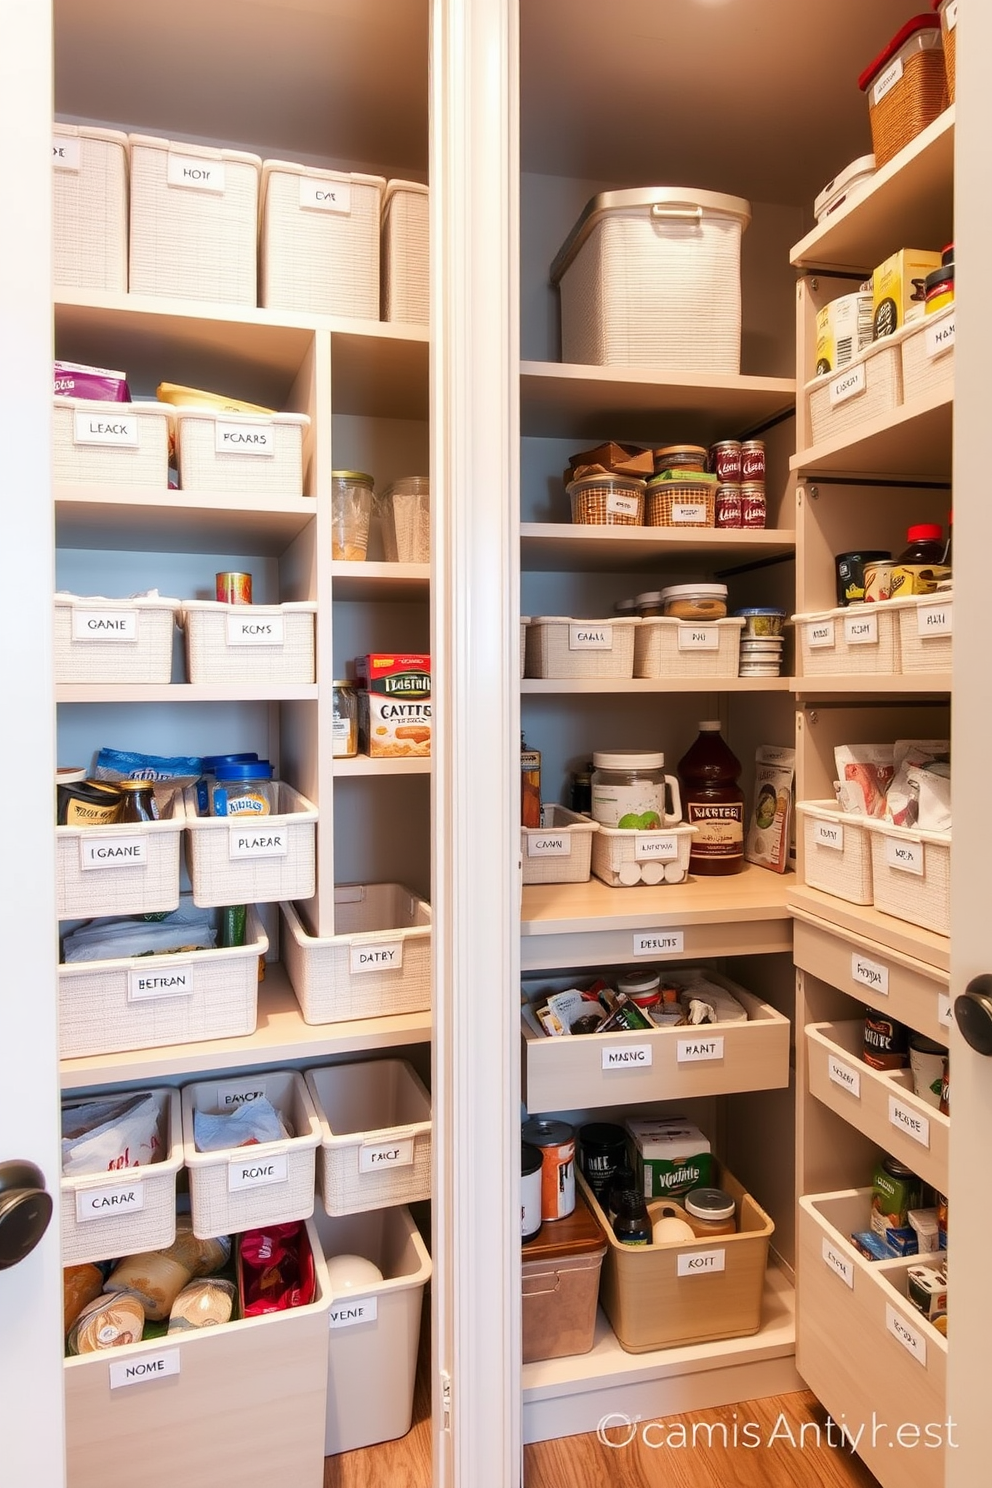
[[863, 775], [768, 833]]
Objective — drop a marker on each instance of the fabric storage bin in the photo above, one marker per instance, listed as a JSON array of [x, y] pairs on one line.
[[925, 631], [607, 500], [911, 874], [194, 221], [654, 1300], [270, 858], [319, 241], [241, 1188], [113, 640], [406, 290], [858, 640], [375, 1134], [651, 278], [560, 647], [89, 208], [928, 354], [524, 622], [240, 454], [560, 850], [906, 87], [249, 643], [109, 444], [377, 963], [682, 503], [948, 12], [145, 1002], [622, 858], [837, 851], [126, 869], [666, 647], [374, 1330], [560, 1284], [128, 1210], [870, 385]]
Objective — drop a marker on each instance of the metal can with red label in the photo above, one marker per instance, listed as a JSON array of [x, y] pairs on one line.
[[752, 460], [728, 505], [724, 460], [233, 588], [754, 511], [556, 1142]]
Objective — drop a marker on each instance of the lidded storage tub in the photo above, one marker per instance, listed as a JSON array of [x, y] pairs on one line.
[[607, 500], [561, 1267], [906, 86], [89, 208], [319, 241]]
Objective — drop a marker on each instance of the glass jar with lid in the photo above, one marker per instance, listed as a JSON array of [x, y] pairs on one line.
[[344, 731], [630, 790], [711, 1211], [243, 789], [351, 511]]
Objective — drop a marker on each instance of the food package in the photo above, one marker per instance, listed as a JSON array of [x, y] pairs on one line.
[[911, 758], [81, 1285], [394, 707], [843, 328], [769, 828], [106, 1323], [101, 1136], [611, 459], [168, 773], [933, 787], [185, 929], [98, 384], [187, 397], [672, 1155], [863, 775], [898, 289], [202, 1304], [275, 1269], [156, 1277], [243, 1126]]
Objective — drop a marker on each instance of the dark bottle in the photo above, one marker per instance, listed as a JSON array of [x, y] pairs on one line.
[[138, 802], [713, 803], [581, 798], [632, 1225], [623, 1181]]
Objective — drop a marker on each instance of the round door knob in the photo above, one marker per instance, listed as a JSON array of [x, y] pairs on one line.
[[973, 1013], [25, 1210]]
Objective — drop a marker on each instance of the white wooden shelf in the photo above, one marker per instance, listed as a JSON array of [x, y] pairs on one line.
[[900, 936], [552, 547], [183, 692], [153, 520], [911, 443], [581, 685], [910, 685], [361, 764], [380, 581]]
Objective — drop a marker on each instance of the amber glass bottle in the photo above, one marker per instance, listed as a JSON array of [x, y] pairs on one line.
[[713, 803]]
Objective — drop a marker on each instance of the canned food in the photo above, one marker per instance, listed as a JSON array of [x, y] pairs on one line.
[[603, 1153], [556, 1142], [724, 460], [878, 580], [233, 588], [531, 1165], [851, 573], [752, 460], [895, 1190], [753, 507], [886, 1043], [728, 505]]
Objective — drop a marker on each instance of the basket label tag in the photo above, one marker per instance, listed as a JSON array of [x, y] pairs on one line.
[[628, 1056], [257, 842], [256, 1172], [861, 630], [231, 1093], [848, 385], [870, 973], [911, 1338], [112, 852], [143, 986], [365, 957], [245, 630], [944, 1009], [843, 1075], [347, 1314], [659, 942], [907, 857], [940, 338], [820, 633], [690, 1051], [692, 513], [325, 196], [838, 1263], [829, 834], [590, 637], [702, 1262], [152, 1366], [105, 428], [935, 619], [908, 1120], [195, 172], [377, 1157], [549, 845], [104, 625], [244, 439], [951, 15], [103, 1203], [66, 152], [887, 81], [662, 848], [699, 638], [621, 506]]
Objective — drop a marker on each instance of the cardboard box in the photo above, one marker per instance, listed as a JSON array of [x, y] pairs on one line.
[[395, 673], [394, 707], [843, 328], [672, 1155], [897, 289]]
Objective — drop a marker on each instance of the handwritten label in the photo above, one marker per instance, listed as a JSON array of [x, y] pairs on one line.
[[112, 852], [365, 957], [653, 845], [690, 1051], [256, 1172], [104, 1203], [231, 1093], [939, 338], [376, 1157], [870, 973], [909, 1336], [590, 637], [354, 1310], [548, 845], [258, 630], [944, 1009], [861, 630], [909, 1121], [104, 625], [244, 439], [622, 506], [628, 1056], [658, 942], [837, 1263], [257, 842], [820, 633], [325, 196], [843, 1075], [848, 385], [689, 512], [195, 171], [146, 986], [887, 81], [701, 1262], [66, 152], [907, 857], [935, 619], [829, 834], [105, 428], [151, 1366], [699, 638]]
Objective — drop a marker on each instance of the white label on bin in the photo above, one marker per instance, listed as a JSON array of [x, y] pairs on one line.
[[258, 630], [66, 152], [848, 385], [699, 638], [689, 1051], [659, 942], [548, 845], [861, 630], [365, 957], [911, 1338], [104, 1203], [257, 842], [870, 973], [944, 1008], [907, 857], [702, 1262], [152, 1366], [590, 637], [112, 852], [939, 338], [628, 1056], [829, 834], [837, 1263], [621, 506], [690, 512], [935, 619], [662, 848], [233, 1093], [951, 15], [887, 81], [195, 171], [820, 633], [908, 1120], [378, 1157], [104, 625], [843, 1075], [105, 428], [256, 1172], [142, 986], [325, 196], [244, 439], [354, 1310]]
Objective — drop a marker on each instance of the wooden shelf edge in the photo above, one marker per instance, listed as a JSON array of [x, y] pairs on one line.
[[591, 685], [870, 925], [362, 765], [188, 502], [909, 685], [612, 374], [754, 894], [182, 692], [839, 454]]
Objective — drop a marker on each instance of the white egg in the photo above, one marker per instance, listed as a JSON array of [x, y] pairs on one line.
[[351, 1273]]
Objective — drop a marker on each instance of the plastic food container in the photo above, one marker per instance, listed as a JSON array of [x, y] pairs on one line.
[[607, 500], [405, 512], [760, 623], [906, 86], [560, 1269], [695, 601], [850, 182], [351, 511], [688, 502], [680, 457]]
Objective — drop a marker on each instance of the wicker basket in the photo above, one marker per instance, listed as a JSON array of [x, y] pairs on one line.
[[607, 501], [319, 241], [928, 354], [241, 454], [109, 1007], [377, 963], [925, 632], [560, 850], [906, 87], [855, 640], [217, 651], [560, 647], [622, 858], [144, 1217], [948, 10], [375, 1135], [524, 622], [837, 851], [406, 293], [666, 647], [243, 1188], [911, 874], [688, 503], [131, 869], [89, 208], [109, 444], [113, 640], [870, 385], [282, 867]]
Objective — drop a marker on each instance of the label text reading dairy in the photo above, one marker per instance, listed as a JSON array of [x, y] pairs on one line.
[[659, 942], [112, 852], [628, 1056], [870, 974], [256, 630], [690, 1050], [907, 857], [590, 637], [143, 986], [244, 439], [325, 196], [909, 1121], [256, 1172], [829, 834], [377, 1157], [843, 1075], [699, 638], [152, 1366], [195, 171], [257, 841], [104, 625], [909, 1336], [354, 1310], [376, 957], [848, 385], [838, 1264], [702, 1263], [102, 1203], [105, 428]]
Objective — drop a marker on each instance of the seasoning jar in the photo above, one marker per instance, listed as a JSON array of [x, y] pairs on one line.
[[245, 789], [939, 289], [711, 1212], [138, 802], [724, 461], [344, 728], [629, 791], [88, 803], [351, 511], [632, 1225]]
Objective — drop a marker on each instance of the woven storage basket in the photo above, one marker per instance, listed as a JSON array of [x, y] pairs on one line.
[[620, 857], [651, 278], [870, 385], [375, 1135], [144, 1221], [278, 1176], [666, 647], [212, 655], [243, 454], [88, 648], [134, 453], [556, 647], [928, 354], [925, 632], [857, 640], [319, 241], [283, 869], [108, 1007], [948, 10], [560, 850], [607, 501], [899, 888], [138, 875], [89, 208], [406, 253], [347, 975], [687, 503], [524, 622], [837, 851], [906, 87], [194, 221]]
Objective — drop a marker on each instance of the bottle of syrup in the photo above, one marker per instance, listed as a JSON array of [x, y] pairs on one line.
[[713, 803], [530, 785]]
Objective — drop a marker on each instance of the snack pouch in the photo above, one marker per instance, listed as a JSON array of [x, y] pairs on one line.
[[863, 775]]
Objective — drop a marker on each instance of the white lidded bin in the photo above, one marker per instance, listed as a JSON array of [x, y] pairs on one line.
[[242, 1188], [560, 850], [847, 184], [128, 1210], [109, 444], [377, 963], [406, 290], [652, 278], [928, 354], [869, 386], [241, 454], [319, 241], [89, 208], [145, 1002], [558, 646], [231, 860], [837, 851], [667, 647], [194, 221], [374, 1333], [926, 624], [126, 869], [859, 640], [249, 644], [375, 1133], [113, 640], [911, 874], [623, 858]]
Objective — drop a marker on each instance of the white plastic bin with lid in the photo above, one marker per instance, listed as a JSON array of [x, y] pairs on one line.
[[249, 644], [374, 1331], [869, 386], [651, 278], [89, 208], [837, 851], [113, 640], [130, 868], [259, 861], [558, 646], [560, 850], [319, 241], [110, 444], [375, 1132], [928, 354], [406, 293], [243, 454]]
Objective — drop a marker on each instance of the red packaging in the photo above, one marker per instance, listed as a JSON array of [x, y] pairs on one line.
[[725, 460], [752, 461], [395, 673], [728, 506], [275, 1269], [753, 507]]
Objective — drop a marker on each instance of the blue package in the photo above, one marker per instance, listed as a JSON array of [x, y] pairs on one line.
[[121, 764], [872, 1246], [902, 1242]]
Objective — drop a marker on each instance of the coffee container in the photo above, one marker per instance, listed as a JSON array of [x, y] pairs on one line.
[[602, 1154], [556, 1142], [531, 1163]]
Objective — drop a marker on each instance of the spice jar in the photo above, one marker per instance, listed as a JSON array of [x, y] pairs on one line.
[[939, 289], [245, 789], [711, 1212], [629, 791], [138, 802], [351, 510], [344, 729]]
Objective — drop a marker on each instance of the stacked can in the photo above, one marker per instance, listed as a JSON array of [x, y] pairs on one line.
[[740, 492]]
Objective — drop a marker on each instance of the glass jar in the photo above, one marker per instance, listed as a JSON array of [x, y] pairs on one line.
[[344, 731], [245, 789], [88, 803], [711, 1212], [138, 802], [209, 764], [629, 791], [351, 510]]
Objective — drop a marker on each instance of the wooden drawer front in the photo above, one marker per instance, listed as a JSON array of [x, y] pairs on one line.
[[910, 991], [880, 1103], [687, 942]]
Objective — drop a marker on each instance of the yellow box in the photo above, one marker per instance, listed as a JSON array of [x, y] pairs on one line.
[[897, 289]]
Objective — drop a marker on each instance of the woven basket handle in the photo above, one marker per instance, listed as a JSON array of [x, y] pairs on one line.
[[685, 212]]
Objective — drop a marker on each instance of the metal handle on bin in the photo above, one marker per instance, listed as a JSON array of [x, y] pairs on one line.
[[684, 213]]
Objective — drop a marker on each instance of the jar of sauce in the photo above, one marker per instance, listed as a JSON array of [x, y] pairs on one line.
[[714, 803], [711, 1212], [138, 802]]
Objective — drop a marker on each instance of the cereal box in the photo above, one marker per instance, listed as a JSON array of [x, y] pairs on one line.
[[394, 707]]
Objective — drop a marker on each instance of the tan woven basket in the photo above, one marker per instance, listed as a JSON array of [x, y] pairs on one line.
[[906, 109], [211, 657], [555, 647], [666, 647], [925, 632], [102, 655], [949, 36], [607, 501], [319, 241], [560, 850], [143, 878], [259, 455], [855, 640], [219, 876], [922, 898], [406, 253], [680, 504], [870, 385], [375, 1135], [75, 421], [928, 354], [89, 208], [837, 851]]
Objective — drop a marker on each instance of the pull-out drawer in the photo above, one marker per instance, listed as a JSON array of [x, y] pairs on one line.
[[911, 991]]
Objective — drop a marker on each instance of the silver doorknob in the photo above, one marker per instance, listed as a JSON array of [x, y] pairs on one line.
[[25, 1210], [973, 1013]]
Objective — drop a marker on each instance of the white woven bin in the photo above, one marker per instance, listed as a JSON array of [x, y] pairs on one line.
[[870, 385], [113, 640], [130, 869], [89, 208], [223, 645], [194, 221], [925, 632], [129, 1210], [856, 640], [561, 647], [666, 647], [928, 355], [560, 850], [899, 887], [406, 253], [319, 241], [622, 858], [261, 861], [241, 1188], [243, 454], [377, 963], [145, 1002], [837, 851], [109, 444], [375, 1135]]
